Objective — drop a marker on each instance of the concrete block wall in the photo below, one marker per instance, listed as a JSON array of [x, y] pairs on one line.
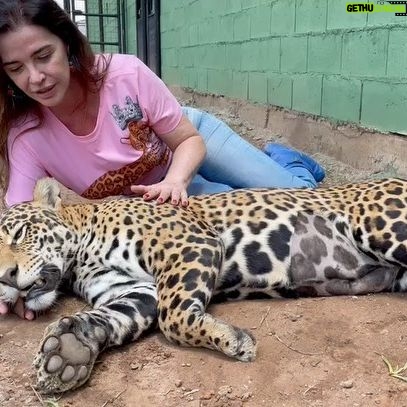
[[306, 55]]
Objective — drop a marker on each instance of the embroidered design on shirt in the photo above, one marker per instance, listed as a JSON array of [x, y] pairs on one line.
[[130, 112], [116, 182]]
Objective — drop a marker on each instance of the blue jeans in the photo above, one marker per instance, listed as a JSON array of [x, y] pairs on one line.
[[231, 162]]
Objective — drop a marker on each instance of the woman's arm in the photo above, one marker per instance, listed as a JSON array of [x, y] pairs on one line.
[[188, 153], [24, 171]]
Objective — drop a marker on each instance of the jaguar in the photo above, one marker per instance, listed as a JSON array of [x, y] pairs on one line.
[[142, 266]]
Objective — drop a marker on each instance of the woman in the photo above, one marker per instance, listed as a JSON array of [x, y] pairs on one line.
[[106, 125]]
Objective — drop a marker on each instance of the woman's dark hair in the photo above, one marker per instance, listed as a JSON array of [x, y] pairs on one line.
[[14, 104]]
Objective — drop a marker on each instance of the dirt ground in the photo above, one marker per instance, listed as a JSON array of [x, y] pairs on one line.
[[311, 352]]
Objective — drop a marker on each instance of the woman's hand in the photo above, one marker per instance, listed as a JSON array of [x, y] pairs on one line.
[[188, 150], [17, 309], [163, 191]]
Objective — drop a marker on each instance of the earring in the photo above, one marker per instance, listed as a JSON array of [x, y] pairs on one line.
[[10, 91], [15, 94], [11, 94], [73, 62]]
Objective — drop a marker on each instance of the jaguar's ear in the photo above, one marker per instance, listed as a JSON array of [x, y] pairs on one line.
[[47, 193]]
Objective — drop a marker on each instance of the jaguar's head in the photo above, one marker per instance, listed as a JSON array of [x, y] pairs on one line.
[[33, 240]]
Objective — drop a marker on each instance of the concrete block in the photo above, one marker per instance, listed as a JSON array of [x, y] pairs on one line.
[[279, 89], [258, 87], [307, 93], [202, 80], [397, 55], [269, 55], [260, 20], [239, 88], [241, 26], [216, 56], [234, 6], [365, 53], [324, 53], [341, 98], [384, 106], [294, 54], [250, 55], [226, 28], [219, 81], [283, 17], [311, 16], [169, 57], [234, 55]]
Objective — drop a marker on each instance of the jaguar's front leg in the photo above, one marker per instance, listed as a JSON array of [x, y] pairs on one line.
[[71, 345]]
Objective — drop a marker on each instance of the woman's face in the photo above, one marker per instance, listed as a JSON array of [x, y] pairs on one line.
[[36, 61]]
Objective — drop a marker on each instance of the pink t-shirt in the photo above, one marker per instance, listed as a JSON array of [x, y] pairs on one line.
[[122, 150]]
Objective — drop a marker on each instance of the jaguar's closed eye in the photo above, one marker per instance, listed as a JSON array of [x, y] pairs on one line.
[[19, 234]]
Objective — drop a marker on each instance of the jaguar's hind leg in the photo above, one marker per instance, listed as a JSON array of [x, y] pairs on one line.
[[71, 345], [326, 259], [184, 291]]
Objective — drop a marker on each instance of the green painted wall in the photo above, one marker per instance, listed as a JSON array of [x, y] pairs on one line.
[[307, 55]]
